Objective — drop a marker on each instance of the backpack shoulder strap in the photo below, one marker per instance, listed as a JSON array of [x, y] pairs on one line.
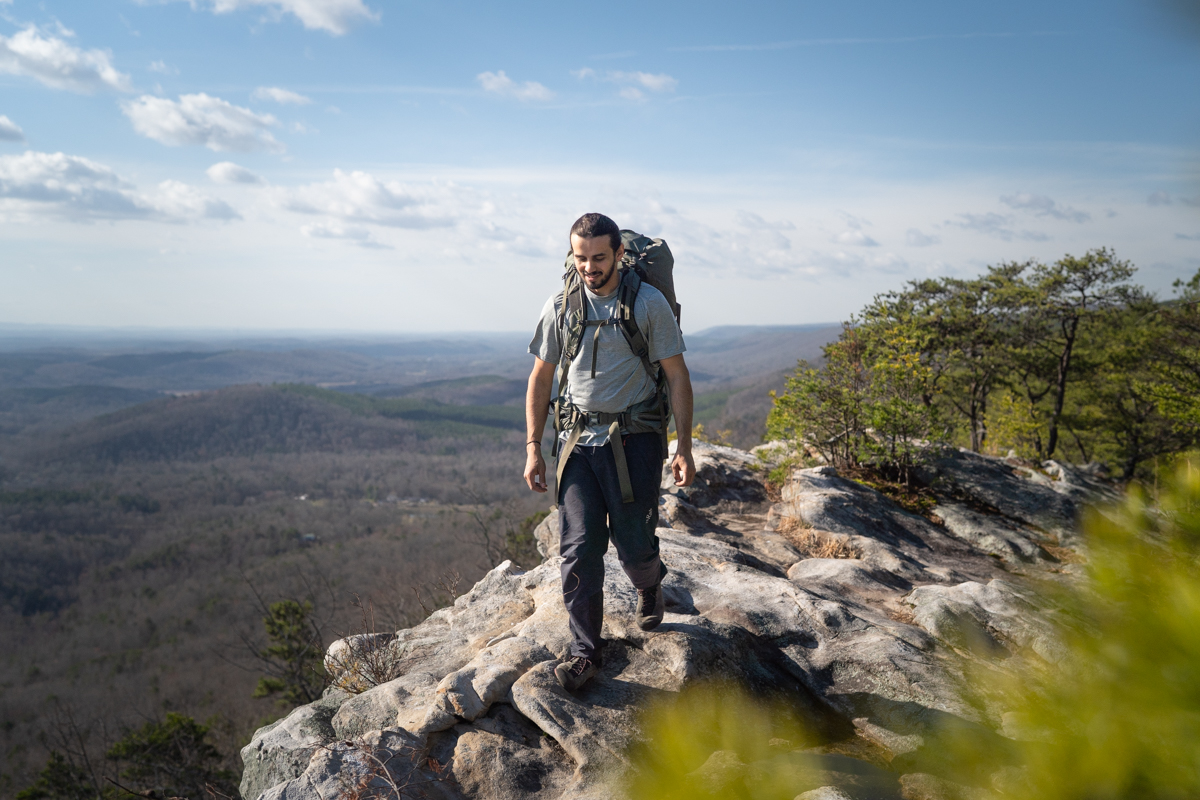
[[631, 284]]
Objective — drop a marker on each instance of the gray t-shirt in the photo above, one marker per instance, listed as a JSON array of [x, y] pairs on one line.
[[621, 380]]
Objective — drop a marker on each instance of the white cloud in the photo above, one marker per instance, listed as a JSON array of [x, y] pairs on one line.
[[202, 120], [335, 16], [646, 80], [1041, 206], [59, 64], [283, 96], [162, 68], [80, 190], [10, 131], [998, 225], [501, 84], [914, 238], [634, 85], [178, 200], [855, 237], [359, 197], [228, 172], [748, 219], [1159, 198], [349, 233]]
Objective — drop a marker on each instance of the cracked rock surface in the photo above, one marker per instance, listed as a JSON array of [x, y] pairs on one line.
[[867, 649]]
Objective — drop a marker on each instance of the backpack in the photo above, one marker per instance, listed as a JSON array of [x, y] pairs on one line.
[[646, 260]]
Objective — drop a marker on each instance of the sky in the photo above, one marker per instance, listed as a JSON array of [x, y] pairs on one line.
[[401, 166]]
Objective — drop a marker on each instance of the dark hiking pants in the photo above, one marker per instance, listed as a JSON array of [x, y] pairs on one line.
[[590, 512]]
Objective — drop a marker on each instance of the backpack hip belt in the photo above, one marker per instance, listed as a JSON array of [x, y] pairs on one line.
[[648, 416]]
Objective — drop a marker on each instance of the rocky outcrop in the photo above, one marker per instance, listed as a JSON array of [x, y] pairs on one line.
[[867, 649]]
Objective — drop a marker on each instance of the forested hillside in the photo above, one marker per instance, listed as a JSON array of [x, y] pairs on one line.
[[151, 519]]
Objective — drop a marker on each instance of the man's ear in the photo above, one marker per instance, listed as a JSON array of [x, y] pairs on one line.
[[620, 252]]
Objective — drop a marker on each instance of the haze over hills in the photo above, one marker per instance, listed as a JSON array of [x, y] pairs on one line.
[[80, 373]]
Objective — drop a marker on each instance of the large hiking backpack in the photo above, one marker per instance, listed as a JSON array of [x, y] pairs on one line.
[[646, 260]]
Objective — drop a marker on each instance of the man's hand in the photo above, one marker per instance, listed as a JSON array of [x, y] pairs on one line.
[[683, 468], [535, 467]]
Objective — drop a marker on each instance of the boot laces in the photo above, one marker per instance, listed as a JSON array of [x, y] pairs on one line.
[[579, 665]]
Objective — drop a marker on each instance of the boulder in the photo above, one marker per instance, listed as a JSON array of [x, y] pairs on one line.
[[868, 651]]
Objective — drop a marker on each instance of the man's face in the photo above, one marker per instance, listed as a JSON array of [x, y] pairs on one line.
[[596, 262]]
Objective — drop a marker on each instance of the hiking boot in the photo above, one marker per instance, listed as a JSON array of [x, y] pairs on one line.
[[650, 607], [575, 672]]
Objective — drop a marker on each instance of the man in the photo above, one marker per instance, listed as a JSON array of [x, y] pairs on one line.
[[607, 382]]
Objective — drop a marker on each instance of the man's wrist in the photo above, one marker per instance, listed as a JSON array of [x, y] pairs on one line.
[[533, 441]]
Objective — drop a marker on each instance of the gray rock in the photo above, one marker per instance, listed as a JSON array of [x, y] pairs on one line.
[[988, 618], [856, 650], [824, 793], [546, 534], [723, 475], [503, 756], [1016, 492], [991, 533], [282, 750]]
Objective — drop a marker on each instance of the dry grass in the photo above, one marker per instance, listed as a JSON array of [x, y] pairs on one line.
[[1063, 554], [813, 543]]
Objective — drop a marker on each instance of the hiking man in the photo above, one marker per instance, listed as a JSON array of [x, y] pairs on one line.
[[611, 430]]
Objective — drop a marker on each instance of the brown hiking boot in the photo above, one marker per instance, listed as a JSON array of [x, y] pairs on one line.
[[575, 672], [650, 607]]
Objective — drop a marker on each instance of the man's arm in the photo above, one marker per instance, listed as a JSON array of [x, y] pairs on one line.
[[680, 383], [537, 407]]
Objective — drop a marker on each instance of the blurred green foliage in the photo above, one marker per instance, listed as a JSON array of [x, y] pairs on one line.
[[1118, 718]]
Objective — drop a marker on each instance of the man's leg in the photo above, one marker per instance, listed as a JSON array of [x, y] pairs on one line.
[[632, 525], [582, 522]]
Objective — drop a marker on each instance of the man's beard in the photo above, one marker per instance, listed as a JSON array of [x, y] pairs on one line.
[[601, 280]]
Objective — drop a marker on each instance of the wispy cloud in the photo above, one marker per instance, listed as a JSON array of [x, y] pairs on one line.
[[361, 198], [10, 131], [914, 238], [80, 190], [229, 172], [347, 233], [852, 40], [998, 225], [501, 84], [162, 68], [1159, 198], [282, 96], [633, 85], [754, 222], [59, 64], [1041, 206], [198, 119], [333, 16]]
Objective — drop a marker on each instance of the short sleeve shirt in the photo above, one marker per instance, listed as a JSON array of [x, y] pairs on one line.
[[621, 380]]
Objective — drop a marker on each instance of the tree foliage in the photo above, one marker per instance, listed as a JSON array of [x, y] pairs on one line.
[[174, 757], [1069, 360], [295, 654]]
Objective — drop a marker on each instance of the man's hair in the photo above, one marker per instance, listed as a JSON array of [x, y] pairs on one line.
[[589, 226]]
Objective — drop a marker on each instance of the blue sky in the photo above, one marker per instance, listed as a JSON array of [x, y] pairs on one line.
[[401, 166]]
